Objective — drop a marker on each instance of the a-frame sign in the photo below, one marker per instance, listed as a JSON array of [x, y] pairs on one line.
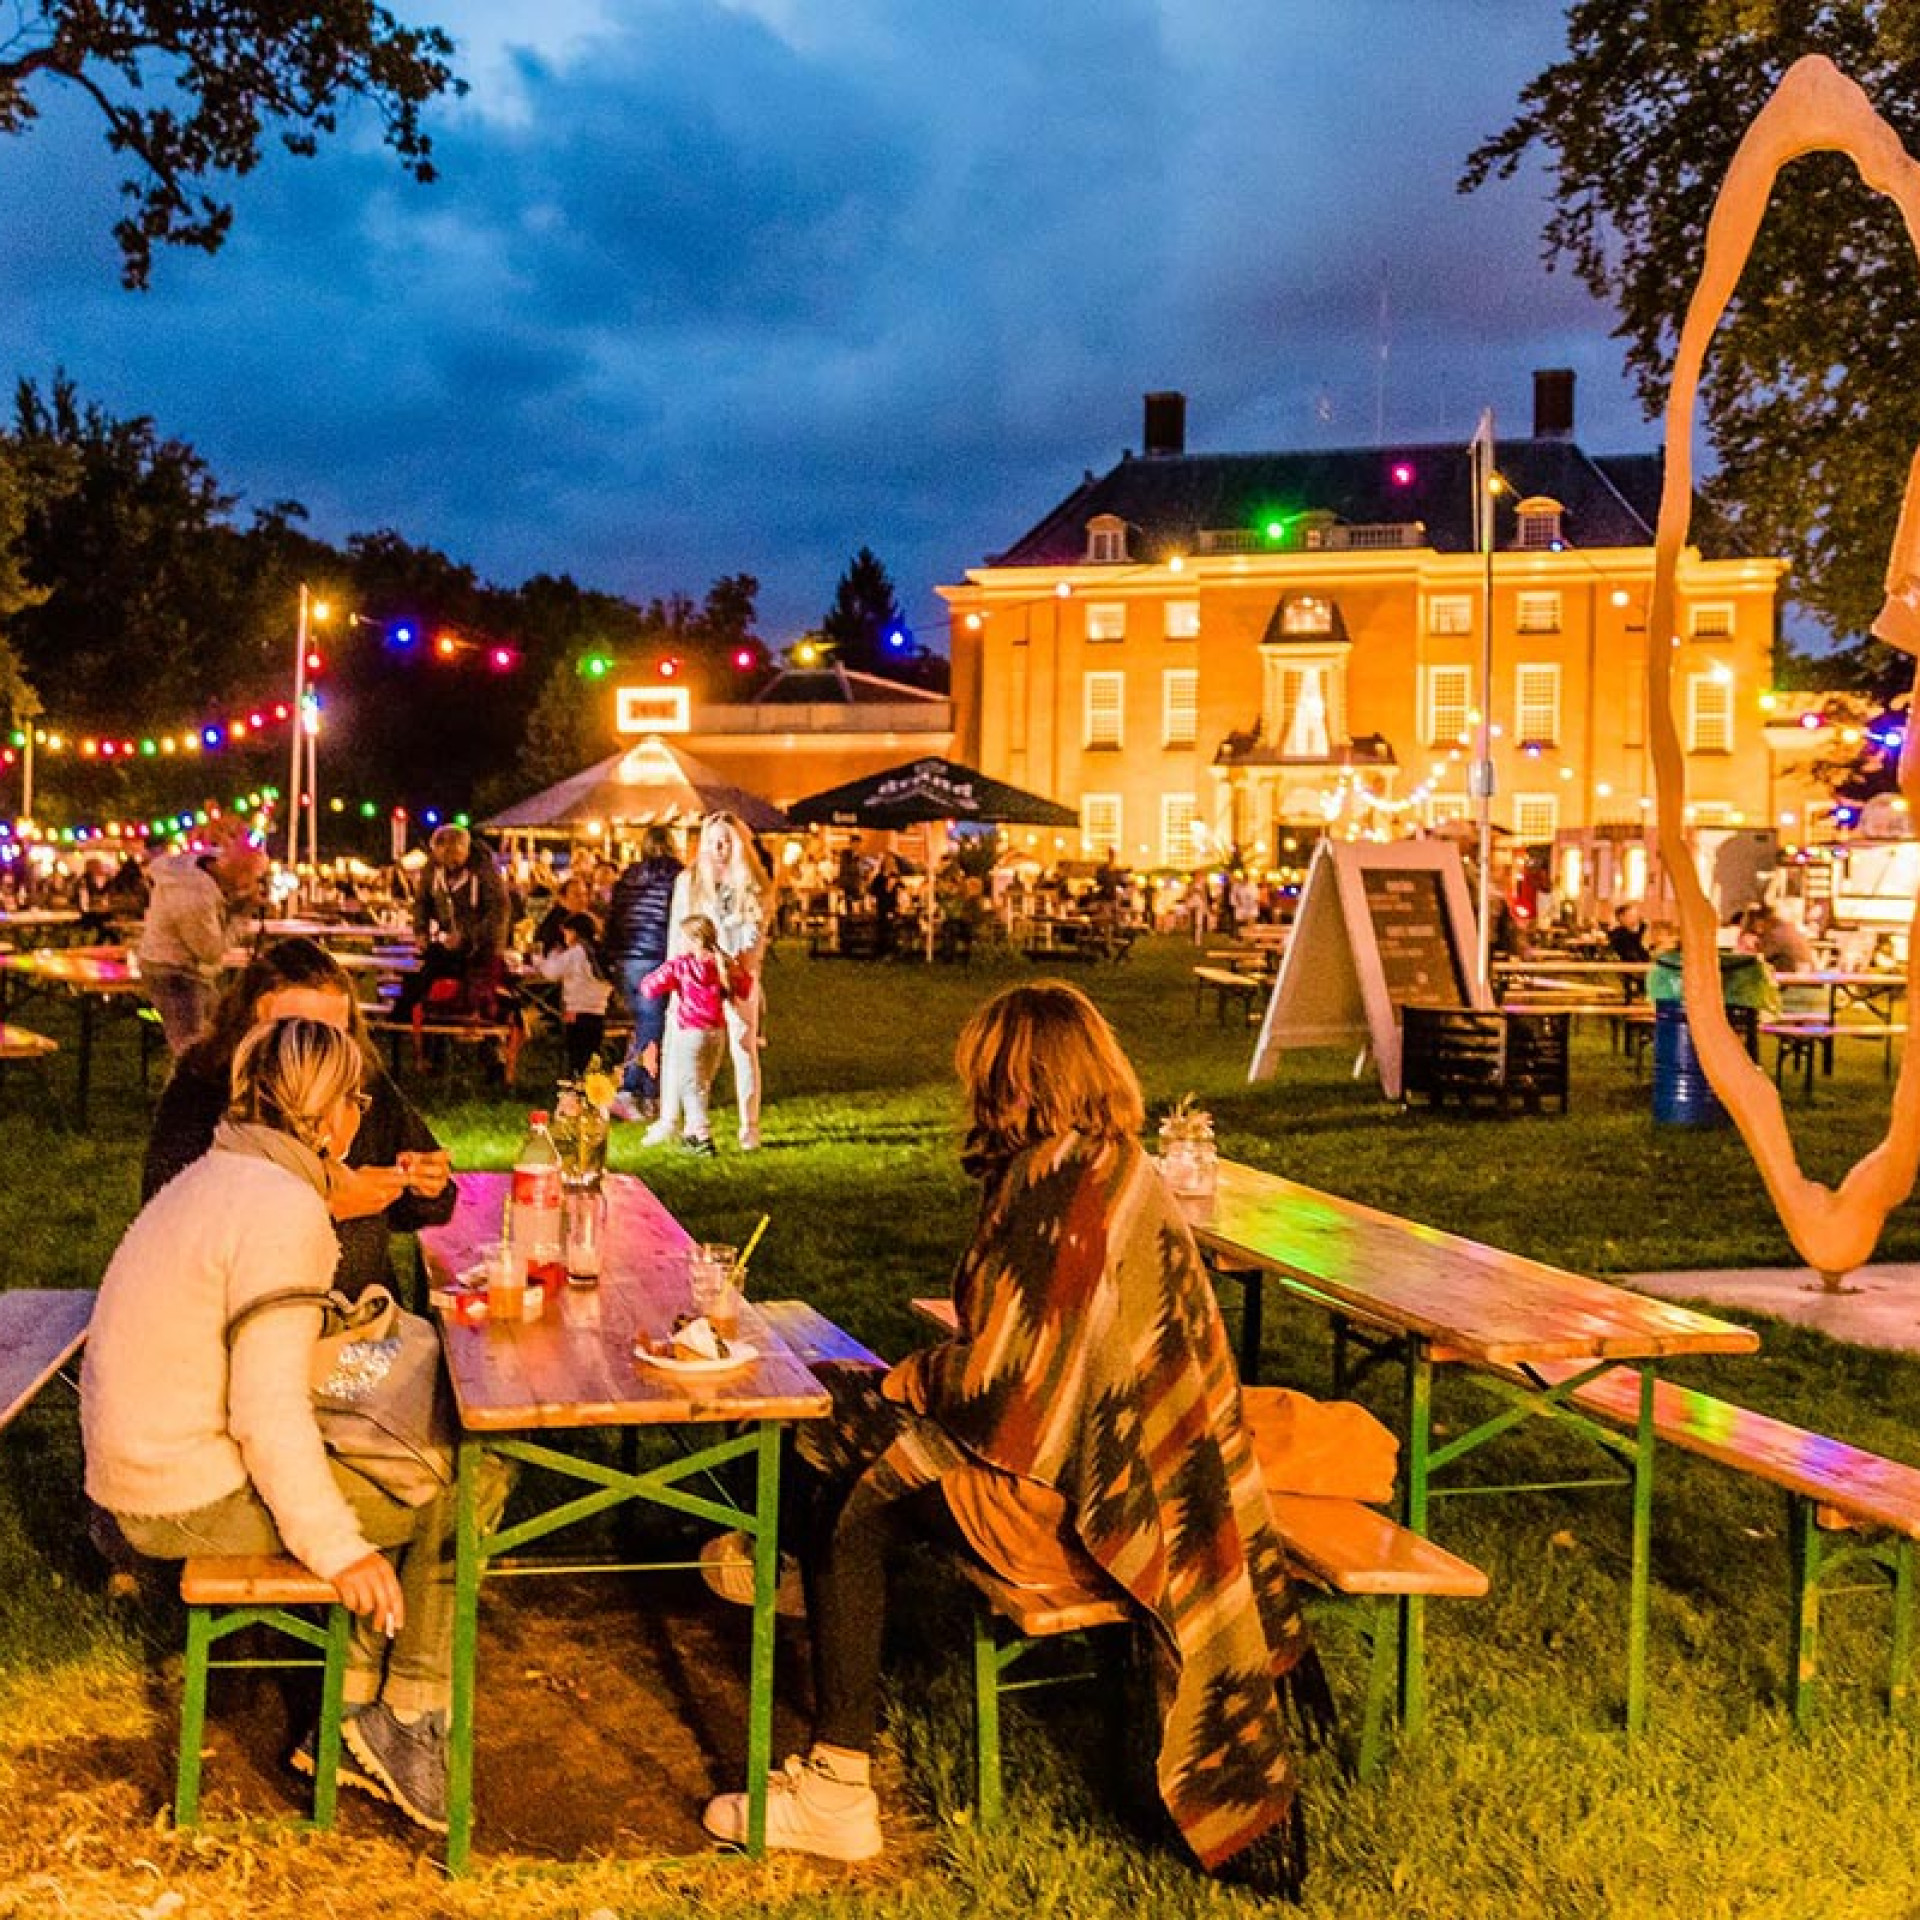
[[1378, 925]]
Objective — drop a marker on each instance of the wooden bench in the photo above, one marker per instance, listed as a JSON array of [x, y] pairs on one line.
[[1225, 984], [508, 1035], [41, 1329], [224, 1595], [1350, 1552], [22, 1047], [1831, 1488], [1799, 1043]]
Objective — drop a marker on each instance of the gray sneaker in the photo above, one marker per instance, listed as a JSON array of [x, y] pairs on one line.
[[304, 1758], [409, 1763]]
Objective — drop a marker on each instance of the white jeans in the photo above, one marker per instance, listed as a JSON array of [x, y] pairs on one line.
[[743, 1042]]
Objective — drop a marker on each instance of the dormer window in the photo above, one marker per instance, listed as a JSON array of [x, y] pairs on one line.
[[1106, 540], [1539, 520], [1306, 613]]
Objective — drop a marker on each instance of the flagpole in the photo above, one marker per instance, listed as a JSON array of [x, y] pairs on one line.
[[1480, 783]]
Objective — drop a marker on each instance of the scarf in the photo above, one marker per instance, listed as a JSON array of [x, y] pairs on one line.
[[269, 1143], [1091, 1358]]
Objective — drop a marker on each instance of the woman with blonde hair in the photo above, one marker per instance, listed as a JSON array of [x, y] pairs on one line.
[[726, 882], [1082, 1425], [198, 1417]]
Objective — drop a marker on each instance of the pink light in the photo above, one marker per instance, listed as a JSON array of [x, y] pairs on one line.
[[1402, 473], [502, 657], [1811, 721]]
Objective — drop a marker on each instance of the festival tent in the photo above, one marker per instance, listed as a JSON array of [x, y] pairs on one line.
[[647, 783], [921, 793]]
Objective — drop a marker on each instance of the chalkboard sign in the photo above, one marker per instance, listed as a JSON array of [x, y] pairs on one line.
[[1408, 909], [1379, 924]]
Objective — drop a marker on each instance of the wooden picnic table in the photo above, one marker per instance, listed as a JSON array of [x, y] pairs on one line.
[[521, 1390], [96, 979], [1875, 991], [1551, 973], [1431, 1298]]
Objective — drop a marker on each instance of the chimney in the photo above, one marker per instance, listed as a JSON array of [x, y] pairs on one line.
[[1553, 403], [1166, 428]]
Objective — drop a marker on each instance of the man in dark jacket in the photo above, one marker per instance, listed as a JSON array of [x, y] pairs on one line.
[[460, 922], [635, 942]]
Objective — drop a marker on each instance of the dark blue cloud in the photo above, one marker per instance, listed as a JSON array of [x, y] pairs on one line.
[[718, 287]]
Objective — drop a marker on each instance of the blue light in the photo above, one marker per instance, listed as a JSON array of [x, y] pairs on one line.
[[211, 735], [431, 816], [402, 636], [897, 639]]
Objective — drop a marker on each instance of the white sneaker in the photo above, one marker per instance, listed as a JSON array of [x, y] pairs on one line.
[[749, 1139], [808, 1811], [657, 1135], [726, 1565]]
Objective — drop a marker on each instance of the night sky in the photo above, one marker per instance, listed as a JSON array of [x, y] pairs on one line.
[[714, 287]]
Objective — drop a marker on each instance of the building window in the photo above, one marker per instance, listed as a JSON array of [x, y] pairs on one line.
[[1536, 705], [1301, 702], [1709, 713], [1713, 623], [1536, 817], [1539, 524], [1179, 706], [1307, 613], [1712, 813], [1106, 699], [1099, 822], [1449, 701], [1106, 540], [1450, 613], [1183, 619], [1537, 613], [1177, 841], [1107, 620]]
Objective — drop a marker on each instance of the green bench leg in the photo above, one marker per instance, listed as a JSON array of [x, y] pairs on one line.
[[1803, 1545], [1379, 1621], [990, 1660], [207, 1625], [1900, 1663], [193, 1718]]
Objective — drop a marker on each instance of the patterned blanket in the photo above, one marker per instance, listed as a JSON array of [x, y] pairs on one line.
[[1091, 1358]]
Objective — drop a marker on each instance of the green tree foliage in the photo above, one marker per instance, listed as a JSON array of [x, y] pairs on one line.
[[1812, 396], [188, 93], [865, 611]]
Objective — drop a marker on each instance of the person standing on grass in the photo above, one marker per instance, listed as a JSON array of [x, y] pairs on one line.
[[728, 885], [197, 1416], [638, 933], [703, 984], [1083, 1426], [191, 912], [584, 989]]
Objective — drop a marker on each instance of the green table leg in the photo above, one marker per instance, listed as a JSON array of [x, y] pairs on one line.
[[1642, 1579], [1899, 1681], [466, 1642], [1413, 1613], [766, 1577]]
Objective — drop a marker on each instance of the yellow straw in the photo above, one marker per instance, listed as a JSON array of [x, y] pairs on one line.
[[753, 1240]]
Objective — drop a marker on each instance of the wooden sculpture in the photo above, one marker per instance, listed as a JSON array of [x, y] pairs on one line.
[[1815, 108]]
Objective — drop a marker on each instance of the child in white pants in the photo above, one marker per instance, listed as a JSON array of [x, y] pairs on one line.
[[701, 981]]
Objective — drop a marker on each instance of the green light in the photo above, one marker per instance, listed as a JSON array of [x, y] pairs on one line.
[[1276, 529], [367, 810], [596, 666], [149, 747], [18, 737], [463, 819]]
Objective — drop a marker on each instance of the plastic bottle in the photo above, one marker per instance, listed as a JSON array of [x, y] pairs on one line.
[[533, 1221]]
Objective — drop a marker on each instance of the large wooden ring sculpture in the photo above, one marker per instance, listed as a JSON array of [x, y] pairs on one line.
[[1815, 108]]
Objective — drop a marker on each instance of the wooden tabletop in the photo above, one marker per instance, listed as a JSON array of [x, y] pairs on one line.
[[1493, 1307], [575, 1365], [80, 969]]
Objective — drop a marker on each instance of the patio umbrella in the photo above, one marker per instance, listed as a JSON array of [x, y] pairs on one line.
[[920, 792], [648, 782]]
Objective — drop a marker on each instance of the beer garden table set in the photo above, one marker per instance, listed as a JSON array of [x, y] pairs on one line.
[[532, 1391]]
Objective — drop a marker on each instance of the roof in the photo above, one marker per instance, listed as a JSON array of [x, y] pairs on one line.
[[837, 686], [1169, 500]]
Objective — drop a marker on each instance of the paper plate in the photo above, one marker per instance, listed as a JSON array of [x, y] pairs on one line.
[[739, 1354]]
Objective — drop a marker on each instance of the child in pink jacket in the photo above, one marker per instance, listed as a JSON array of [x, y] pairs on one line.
[[702, 982]]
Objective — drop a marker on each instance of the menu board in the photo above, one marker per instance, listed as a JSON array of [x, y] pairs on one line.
[[1408, 910], [1379, 924]]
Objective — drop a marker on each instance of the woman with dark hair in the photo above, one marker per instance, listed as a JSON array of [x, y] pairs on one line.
[[196, 1400], [1082, 1426], [394, 1178]]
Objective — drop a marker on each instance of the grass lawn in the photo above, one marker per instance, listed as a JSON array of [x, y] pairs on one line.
[[1524, 1800]]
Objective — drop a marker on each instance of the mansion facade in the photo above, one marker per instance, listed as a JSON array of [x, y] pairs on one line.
[[1204, 652]]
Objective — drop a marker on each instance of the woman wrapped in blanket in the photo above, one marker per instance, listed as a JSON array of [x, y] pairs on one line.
[[1083, 1424], [198, 1417]]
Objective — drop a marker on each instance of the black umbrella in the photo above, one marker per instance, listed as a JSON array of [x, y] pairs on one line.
[[922, 792]]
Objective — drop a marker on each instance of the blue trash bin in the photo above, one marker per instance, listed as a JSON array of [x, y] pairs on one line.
[[1683, 1096]]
